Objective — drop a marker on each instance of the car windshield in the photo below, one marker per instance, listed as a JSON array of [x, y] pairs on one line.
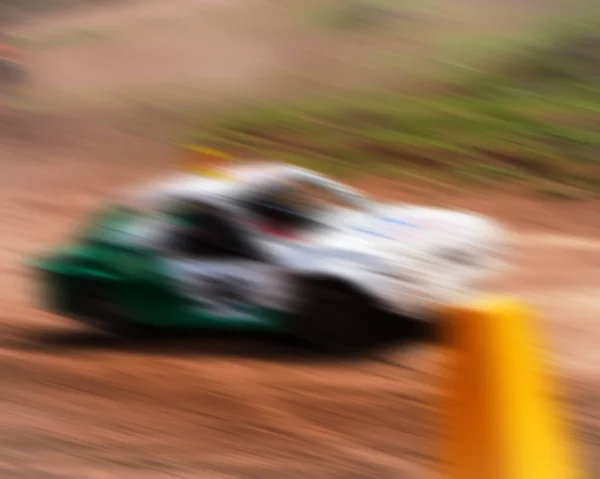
[[302, 206], [326, 196]]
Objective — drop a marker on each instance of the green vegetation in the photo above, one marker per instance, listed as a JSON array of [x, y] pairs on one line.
[[460, 103], [535, 118]]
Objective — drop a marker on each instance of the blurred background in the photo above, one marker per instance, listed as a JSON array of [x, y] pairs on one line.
[[488, 105]]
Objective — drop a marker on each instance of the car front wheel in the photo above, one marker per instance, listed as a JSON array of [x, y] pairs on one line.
[[339, 317]]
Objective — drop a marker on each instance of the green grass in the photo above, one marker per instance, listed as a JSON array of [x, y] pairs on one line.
[[534, 118], [515, 135]]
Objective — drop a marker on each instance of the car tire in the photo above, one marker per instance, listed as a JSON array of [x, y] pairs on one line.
[[338, 317], [121, 326], [131, 329]]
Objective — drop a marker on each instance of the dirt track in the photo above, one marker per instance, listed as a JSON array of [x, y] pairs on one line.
[[76, 404]]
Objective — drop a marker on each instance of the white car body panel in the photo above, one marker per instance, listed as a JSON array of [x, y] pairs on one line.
[[410, 259]]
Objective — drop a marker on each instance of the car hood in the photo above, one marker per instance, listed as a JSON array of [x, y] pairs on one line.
[[409, 229], [391, 233]]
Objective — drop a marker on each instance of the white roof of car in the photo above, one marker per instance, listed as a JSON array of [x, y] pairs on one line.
[[231, 182], [268, 173]]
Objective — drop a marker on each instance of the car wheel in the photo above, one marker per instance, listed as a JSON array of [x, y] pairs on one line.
[[339, 317], [130, 329], [114, 322]]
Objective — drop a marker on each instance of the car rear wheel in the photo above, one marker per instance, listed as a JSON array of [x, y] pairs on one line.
[[102, 313], [339, 317]]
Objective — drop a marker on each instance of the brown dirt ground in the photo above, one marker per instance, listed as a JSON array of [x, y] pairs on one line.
[[77, 404]]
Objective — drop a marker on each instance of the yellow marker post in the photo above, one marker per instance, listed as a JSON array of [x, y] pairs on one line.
[[502, 423]]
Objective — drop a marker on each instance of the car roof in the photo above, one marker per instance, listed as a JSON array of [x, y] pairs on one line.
[[267, 174], [232, 182]]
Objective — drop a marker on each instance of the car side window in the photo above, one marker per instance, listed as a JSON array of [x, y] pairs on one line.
[[204, 233], [321, 195]]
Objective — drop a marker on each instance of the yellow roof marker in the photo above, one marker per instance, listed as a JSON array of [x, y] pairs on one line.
[[210, 152], [501, 418], [202, 162]]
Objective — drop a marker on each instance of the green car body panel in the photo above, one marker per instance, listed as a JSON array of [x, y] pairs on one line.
[[131, 279]]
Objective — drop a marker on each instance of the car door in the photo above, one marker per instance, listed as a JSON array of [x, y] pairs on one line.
[[219, 273]]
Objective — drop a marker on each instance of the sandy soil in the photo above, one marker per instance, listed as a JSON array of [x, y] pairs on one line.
[[77, 404]]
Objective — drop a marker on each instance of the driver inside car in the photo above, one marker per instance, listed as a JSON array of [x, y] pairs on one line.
[[285, 202], [284, 211]]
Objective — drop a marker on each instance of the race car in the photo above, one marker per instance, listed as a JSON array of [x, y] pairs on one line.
[[268, 246]]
